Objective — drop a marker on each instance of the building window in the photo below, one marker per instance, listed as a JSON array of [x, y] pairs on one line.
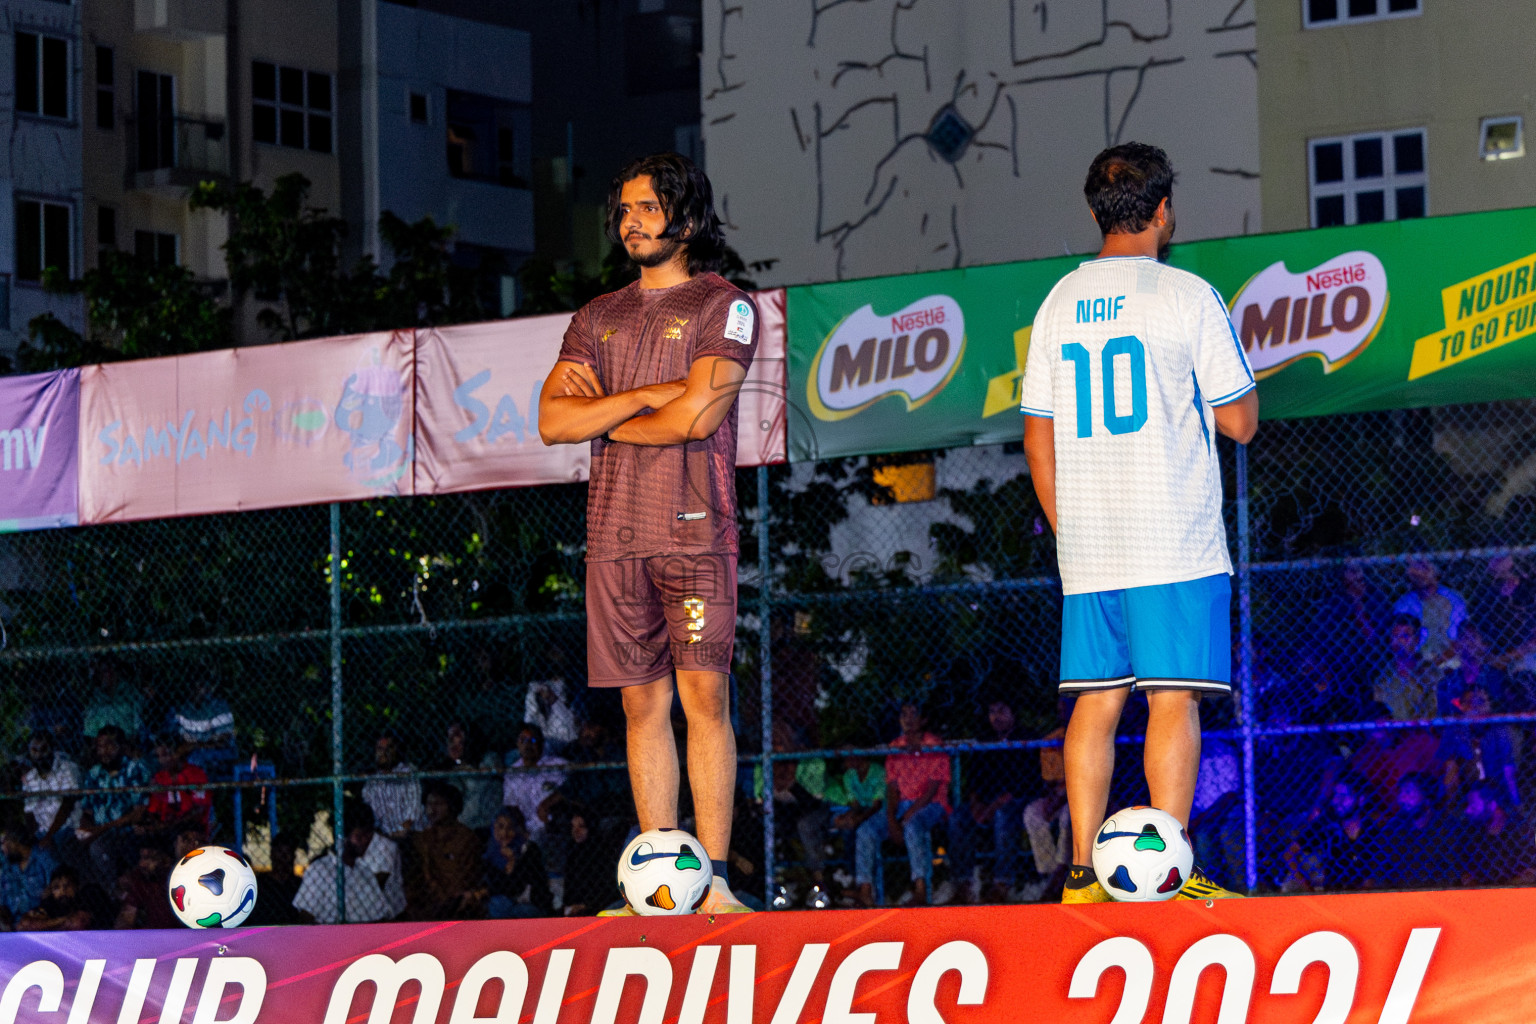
[[106, 88], [1374, 176], [42, 238], [156, 247], [1503, 138], [291, 107], [1322, 13], [482, 138], [418, 107], [106, 227], [42, 75], [156, 120]]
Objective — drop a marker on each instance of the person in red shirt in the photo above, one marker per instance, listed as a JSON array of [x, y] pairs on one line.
[[916, 799], [649, 375], [172, 810]]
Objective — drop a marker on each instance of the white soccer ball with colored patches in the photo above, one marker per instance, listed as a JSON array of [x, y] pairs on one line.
[[664, 871], [213, 887], [1142, 855]]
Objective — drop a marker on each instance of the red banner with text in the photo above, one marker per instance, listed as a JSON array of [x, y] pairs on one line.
[[1427, 958]]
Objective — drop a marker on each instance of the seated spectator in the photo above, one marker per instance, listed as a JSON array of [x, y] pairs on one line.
[[1351, 623], [1491, 846], [1408, 685], [207, 729], [1047, 820], [1415, 849], [395, 802], [464, 751], [279, 886], [448, 852], [172, 810], [53, 710], [863, 796], [107, 812], [1385, 757], [188, 839], [604, 795], [48, 769], [1479, 754], [548, 705], [516, 881], [115, 702], [141, 891], [1472, 670], [24, 875], [1441, 611], [372, 880], [69, 905], [533, 780], [1506, 606], [491, 699], [916, 800], [1000, 785], [589, 881], [1338, 849]]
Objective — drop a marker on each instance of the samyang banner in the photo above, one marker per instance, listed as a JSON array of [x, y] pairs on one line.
[[39, 417], [247, 428], [1382, 958], [1382, 316]]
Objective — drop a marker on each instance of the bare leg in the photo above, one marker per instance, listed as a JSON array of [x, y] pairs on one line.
[[711, 756], [1172, 755], [653, 775], [1090, 760]]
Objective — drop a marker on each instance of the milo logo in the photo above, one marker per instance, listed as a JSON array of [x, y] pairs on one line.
[[1331, 312], [912, 353]]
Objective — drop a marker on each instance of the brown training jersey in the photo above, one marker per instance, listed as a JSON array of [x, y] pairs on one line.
[[646, 500]]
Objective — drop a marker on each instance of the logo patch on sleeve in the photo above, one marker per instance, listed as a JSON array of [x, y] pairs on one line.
[[738, 325]]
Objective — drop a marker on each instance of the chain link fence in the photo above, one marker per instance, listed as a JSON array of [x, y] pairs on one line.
[[421, 663]]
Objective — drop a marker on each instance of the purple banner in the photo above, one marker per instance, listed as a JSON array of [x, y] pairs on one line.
[[39, 450]]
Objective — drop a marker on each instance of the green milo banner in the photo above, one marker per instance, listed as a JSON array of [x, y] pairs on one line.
[[1381, 316]]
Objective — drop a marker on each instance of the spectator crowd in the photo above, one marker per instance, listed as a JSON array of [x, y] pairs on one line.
[[1385, 765]]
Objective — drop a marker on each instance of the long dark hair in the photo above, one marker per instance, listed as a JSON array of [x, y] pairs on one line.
[[687, 199], [1125, 184]]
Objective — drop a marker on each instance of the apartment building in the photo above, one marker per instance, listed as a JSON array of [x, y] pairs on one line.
[[1374, 110], [41, 190]]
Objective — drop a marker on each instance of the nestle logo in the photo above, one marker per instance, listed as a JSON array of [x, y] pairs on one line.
[[1335, 277], [917, 319]]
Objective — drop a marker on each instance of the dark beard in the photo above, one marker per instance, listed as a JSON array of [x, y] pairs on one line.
[[666, 251], [1163, 251]]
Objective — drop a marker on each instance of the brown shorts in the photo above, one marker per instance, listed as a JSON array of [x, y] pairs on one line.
[[649, 616]]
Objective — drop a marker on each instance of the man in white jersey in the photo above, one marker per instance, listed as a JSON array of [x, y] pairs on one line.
[[1132, 365]]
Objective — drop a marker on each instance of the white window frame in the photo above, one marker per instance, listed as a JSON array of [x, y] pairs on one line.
[[1502, 154], [41, 36], [1350, 187], [43, 202], [1345, 18]]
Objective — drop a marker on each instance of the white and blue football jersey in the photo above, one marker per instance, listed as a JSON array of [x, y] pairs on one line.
[[1128, 356]]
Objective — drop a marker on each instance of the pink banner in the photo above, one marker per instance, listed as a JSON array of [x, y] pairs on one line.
[[477, 391], [249, 428], [477, 407]]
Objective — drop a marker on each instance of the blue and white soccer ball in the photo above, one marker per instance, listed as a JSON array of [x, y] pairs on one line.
[[213, 887], [1142, 855], [664, 871]]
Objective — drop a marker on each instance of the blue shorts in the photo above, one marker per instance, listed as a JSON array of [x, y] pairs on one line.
[[1175, 636]]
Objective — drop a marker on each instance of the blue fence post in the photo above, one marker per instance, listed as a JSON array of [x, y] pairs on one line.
[[765, 662], [337, 754], [1245, 670]]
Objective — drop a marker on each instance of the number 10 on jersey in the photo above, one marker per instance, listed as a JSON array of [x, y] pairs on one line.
[[1115, 421]]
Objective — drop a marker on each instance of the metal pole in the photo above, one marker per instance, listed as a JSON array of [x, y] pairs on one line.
[[765, 661], [337, 766], [1245, 670]]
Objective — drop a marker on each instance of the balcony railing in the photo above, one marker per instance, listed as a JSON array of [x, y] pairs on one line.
[[176, 152]]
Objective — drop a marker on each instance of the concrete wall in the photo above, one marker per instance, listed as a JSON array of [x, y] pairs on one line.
[[818, 117], [1445, 70]]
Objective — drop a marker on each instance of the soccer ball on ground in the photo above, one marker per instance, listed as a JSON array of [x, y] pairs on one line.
[[664, 871], [1142, 855], [213, 887]]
